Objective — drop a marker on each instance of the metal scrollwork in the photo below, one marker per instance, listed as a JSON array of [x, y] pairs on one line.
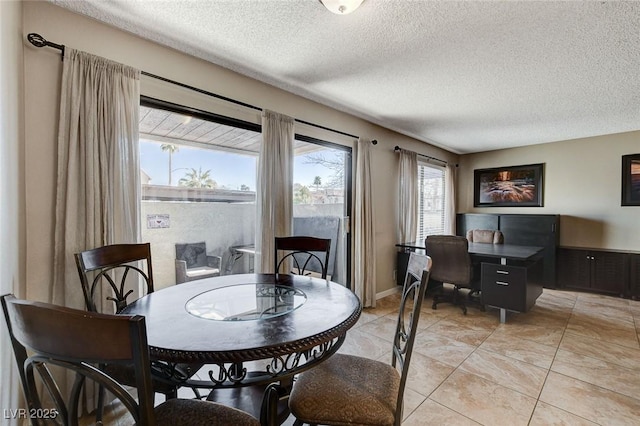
[[404, 331], [270, 290], [280, 365], [168, 370], [234, 373], [320, 350]]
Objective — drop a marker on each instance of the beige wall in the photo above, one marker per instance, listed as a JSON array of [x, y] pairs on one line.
[[11, 188], [582, 181], [42, 73]]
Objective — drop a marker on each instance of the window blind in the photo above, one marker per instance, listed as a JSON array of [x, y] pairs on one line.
[[430, 200]]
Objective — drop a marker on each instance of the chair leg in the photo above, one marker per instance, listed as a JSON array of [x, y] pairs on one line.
[[476, 298], [173, 394], [196, 392], [457, 300], [269, 409], [100, 408]]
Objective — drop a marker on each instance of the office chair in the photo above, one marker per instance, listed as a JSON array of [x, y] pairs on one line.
[[485, 236], [44, 335], [351, 390], [451, 265]]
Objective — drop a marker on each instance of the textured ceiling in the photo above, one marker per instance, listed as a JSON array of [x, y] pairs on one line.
[[466, 76]]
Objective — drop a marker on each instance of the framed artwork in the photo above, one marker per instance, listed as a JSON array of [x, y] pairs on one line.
[[631, 180], [514, 186]]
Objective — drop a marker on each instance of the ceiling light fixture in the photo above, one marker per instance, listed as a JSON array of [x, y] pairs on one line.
[[341, 7]]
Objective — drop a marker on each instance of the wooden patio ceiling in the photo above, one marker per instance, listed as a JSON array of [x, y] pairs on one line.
[[173, 128]]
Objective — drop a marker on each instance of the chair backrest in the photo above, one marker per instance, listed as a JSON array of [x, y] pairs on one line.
[[487, 236], [451, 260], [194, 254], [322, 227], [414, 289], [76, 340], [304, 253], [112, 265]]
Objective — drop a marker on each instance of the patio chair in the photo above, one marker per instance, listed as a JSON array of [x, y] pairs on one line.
[[193, 262]]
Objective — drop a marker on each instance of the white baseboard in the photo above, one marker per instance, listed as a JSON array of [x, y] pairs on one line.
[[389, 292]]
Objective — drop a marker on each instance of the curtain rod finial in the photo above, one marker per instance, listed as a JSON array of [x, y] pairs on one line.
[[36, 39]]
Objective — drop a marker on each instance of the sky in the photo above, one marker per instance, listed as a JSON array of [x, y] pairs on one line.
[[229, 170]]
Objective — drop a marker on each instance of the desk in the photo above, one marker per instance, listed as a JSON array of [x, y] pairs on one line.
[[502, 251], [513, 287]]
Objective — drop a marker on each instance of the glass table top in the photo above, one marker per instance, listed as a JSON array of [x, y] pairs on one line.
[[246, 302]]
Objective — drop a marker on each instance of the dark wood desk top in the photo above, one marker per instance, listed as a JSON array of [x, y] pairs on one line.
[[508, 251], [176, 335]]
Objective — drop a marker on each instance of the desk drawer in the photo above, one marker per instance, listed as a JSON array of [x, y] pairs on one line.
[[504, 286]]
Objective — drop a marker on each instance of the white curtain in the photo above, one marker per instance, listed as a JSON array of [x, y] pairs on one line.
[[408, 193], [98, 184], [450, 179], [98, 178], [364, 232], [275, 186]]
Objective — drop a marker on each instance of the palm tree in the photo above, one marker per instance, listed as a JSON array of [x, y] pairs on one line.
[[198, 179], [172, 149], [317, 182]]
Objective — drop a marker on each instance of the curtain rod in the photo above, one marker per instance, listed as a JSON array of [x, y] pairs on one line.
[[39, 41], [397, 148]]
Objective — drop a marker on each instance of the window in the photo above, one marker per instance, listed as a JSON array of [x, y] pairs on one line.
[[430, 200], [198, 176], [198, 189]]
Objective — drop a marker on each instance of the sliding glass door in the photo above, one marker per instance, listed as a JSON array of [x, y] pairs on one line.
[[322, 198]]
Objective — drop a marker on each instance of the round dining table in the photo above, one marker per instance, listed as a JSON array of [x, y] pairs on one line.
[[278, 324]]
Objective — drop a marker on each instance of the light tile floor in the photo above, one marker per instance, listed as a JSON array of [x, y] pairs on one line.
[[574, 359]]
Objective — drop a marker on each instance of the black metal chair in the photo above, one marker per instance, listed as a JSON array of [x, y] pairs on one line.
[[116, 269], [304, 254], [451, 265], [112, 265], [44, 335], [351, 390], [270, 401]]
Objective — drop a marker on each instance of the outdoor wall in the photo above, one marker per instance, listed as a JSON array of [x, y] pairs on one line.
[[42, 74], [582, 179], [220, 225]]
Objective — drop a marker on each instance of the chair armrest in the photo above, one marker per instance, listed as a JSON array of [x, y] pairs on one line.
[[181, 271], [214, 262]]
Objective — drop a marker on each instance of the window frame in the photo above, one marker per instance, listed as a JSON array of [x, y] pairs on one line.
[[422, 233]]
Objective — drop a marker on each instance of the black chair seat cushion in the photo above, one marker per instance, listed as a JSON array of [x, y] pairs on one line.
[[193, 412], [325, 394]]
